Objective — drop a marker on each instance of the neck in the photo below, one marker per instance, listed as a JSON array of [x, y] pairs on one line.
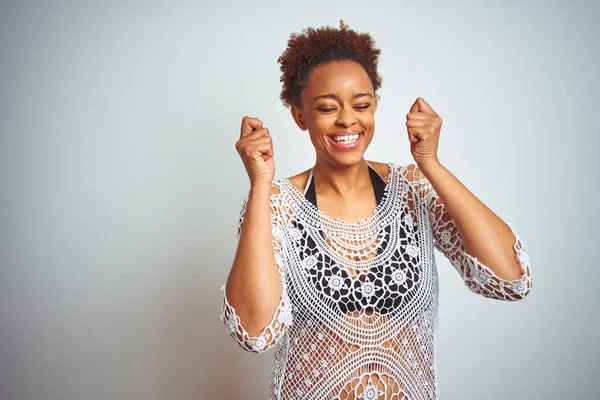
[[344, 181]]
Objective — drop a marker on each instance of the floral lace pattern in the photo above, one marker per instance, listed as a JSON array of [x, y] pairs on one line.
[[358, 310]]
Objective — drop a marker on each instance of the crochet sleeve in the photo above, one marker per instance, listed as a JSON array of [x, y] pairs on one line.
[[479, 278], [282, 316]]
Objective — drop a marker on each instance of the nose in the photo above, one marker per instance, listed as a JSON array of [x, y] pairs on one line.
[[346, 117]]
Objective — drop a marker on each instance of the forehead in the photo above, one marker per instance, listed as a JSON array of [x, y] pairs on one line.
[[339, 77]]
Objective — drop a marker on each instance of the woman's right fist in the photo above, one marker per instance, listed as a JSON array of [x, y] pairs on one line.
[[255, 147]]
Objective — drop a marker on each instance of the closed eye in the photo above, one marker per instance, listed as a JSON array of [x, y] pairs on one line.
[[363, 107]]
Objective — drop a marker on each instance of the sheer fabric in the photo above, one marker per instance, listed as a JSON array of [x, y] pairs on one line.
[[358, 312]]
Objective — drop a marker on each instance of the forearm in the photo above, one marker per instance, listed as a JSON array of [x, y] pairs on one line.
[[254, 284], [484, 235]]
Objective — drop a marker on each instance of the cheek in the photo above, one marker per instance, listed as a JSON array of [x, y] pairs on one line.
[[322, 123], [368, 121]]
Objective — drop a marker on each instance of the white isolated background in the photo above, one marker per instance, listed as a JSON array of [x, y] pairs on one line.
[[121, 186]]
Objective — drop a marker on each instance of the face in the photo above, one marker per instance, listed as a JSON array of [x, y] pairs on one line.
[[338, 109]]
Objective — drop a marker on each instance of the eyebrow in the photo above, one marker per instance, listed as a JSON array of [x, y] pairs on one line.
[[336, 97]]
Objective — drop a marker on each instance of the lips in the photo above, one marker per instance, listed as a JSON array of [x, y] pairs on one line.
[[344, 133], [345, 146], [345, 138]]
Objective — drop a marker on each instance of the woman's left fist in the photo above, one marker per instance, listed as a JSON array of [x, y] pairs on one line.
[[423, 126]]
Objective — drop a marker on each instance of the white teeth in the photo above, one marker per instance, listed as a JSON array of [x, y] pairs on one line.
[[346, 139]]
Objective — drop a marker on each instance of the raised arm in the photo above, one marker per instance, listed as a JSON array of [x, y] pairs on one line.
[[488, 254], [256, 310]]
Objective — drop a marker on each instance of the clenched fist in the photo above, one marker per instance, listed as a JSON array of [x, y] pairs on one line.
[[423, 126], [255, 147]]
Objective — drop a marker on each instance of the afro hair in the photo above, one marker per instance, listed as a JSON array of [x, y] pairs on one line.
[[320, 46]]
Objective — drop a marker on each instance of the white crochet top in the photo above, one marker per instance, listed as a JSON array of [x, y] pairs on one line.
[[358, 313]]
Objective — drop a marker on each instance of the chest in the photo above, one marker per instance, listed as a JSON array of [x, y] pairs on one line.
[[379, 269], [348, 209]]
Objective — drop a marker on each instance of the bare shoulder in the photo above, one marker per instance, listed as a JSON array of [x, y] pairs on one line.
[[382, 168], [299, 180], [410, 171]]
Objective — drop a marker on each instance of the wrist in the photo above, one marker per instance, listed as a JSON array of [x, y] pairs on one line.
[[260, 187], [429, 164]]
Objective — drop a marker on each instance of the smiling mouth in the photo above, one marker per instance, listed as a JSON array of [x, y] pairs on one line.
[[345, 139]]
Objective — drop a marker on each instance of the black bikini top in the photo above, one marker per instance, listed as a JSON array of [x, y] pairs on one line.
[[349, 303]]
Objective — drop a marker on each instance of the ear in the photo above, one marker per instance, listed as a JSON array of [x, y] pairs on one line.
[[375, 104], [298, 116]]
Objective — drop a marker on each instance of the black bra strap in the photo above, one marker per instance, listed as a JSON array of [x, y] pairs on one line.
[[309, 192], [378, 184], [376, 180]]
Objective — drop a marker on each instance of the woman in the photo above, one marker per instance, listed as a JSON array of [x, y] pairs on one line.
[[335, 266]]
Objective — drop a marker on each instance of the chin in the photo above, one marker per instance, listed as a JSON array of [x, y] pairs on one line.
[[348, 159]]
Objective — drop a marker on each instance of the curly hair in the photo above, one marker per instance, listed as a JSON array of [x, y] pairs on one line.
[[319, 46]]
